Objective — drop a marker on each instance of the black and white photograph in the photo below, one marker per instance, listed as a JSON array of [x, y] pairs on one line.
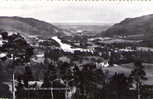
[[76, 49]]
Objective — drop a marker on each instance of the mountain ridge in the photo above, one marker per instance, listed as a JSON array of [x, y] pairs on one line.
[[29, 26], [141, 27]]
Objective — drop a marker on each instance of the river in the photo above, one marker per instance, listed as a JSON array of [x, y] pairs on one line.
[[67, 47]]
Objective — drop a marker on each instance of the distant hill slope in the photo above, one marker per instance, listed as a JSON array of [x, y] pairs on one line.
[[138, 28], [85, 29], [29, 26]]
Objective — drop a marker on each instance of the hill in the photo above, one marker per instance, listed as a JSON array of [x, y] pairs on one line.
[[84, 29], [133, 28], [29, 26]]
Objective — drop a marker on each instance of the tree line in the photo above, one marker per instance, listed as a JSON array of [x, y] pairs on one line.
[[90, 82]]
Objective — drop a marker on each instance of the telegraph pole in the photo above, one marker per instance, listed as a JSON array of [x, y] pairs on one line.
[[13, 83], [13, 87], [66, 93], [52, 91], [139, 97]]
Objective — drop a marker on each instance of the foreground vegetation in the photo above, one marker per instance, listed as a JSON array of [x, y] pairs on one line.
[[79, 71]]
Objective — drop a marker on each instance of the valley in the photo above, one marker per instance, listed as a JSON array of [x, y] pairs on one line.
[[48, 52]]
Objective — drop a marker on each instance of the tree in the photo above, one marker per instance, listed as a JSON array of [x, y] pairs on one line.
[[65, 71], [50, 76], [20, 86], [138, 75], [16, 48], [4, 89], [58, 94], [57, 76], [89, 80], [118, 85], [27, 76]]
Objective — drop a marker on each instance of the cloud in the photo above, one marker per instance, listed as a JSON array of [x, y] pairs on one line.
[[92, 12]]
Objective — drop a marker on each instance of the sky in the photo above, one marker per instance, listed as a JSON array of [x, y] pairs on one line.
[[75, 12]]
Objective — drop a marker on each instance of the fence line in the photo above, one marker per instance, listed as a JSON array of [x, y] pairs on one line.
[[51, 90], [46, 89]]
